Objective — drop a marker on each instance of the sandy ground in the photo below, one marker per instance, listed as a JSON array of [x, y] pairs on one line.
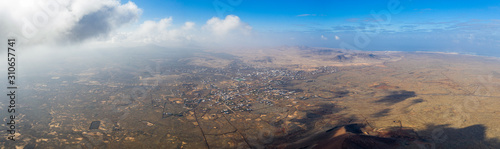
[[266, 98]]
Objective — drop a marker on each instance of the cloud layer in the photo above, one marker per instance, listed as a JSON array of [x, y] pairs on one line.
[[214, 32], [103, 21], [48, 21], [71, 22]]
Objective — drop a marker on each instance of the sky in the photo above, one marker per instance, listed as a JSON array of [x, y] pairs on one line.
[[469, 27]]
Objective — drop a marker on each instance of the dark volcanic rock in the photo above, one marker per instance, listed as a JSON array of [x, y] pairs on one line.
[[95, 125], [344, 137]]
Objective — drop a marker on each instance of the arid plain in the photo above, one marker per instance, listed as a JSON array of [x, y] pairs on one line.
[[285, 97]]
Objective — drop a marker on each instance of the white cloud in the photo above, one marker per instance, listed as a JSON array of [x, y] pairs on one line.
[[95, 22], [230, 30], [337, 37], [188, 25], [46, 21], [230, 23], [323, 38], [161, 32], [305, 15], [101, 22]]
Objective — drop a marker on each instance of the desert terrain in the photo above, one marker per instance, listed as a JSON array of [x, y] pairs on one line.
[[284, 97]]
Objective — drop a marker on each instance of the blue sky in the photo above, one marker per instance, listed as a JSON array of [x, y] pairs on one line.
[[471, 27], [452, 26], [271, 14]]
